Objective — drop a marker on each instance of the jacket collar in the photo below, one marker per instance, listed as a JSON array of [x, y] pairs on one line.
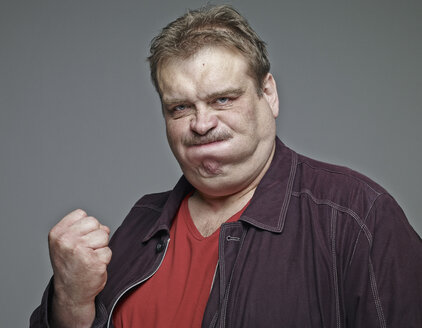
[[170, 208], [268, 206]]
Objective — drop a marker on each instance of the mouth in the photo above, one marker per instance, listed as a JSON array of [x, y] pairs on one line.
[[208, 150], [208, 143]]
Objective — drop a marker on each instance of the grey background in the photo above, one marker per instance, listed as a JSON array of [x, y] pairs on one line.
[[80, 124]]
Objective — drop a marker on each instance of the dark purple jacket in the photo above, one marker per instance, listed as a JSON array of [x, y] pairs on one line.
[[318, 246]]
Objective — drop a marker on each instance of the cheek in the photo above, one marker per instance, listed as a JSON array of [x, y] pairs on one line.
[[174, 131], [244, 121], [248, 113], [170, 136], [172, 141], [171, 129]]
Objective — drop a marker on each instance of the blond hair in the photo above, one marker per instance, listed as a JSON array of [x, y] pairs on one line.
[[209, 26]]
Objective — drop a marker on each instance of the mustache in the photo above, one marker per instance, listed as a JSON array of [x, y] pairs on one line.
[[197, 140]]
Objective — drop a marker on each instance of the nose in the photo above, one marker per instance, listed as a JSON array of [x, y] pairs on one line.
[[203, 121]]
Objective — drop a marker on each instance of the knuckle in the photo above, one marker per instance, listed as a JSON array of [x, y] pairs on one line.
[[62, 241], [90, 221], [54, 232], [105, 228], [103, 236], [104, 255], [81, 213], [52, 235], [104, 233]]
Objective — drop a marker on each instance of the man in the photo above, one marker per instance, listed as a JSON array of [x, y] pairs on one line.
[[253, 234]]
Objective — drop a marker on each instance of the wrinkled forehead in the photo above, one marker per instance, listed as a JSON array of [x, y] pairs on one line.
[[219, 56]]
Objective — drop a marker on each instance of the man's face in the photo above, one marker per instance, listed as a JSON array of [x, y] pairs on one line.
[[220, 131]]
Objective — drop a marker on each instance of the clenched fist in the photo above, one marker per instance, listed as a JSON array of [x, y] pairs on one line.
[[79, 255]]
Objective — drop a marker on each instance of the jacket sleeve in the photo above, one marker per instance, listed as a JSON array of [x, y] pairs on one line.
[[41, 315], [383, 287]]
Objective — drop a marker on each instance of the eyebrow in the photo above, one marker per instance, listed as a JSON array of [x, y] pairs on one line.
[[236, 92], [229, 92]]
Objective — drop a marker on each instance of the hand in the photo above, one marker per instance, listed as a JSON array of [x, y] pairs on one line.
[[79, 255]]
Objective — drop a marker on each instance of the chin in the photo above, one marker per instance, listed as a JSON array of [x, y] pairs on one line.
[[210, 168]]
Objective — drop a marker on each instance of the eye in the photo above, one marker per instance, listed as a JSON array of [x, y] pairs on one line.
[[179, 108], [222, 100]]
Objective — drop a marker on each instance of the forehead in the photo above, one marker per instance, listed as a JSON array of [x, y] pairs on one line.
[[209, 70]]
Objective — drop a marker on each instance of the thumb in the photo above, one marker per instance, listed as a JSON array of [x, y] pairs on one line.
[[103, 254]]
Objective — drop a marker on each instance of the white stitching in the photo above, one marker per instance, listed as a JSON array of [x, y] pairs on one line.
[[364, 221], [338, 208], [334, 259], [368, 235], [377, 299], [342, 173]]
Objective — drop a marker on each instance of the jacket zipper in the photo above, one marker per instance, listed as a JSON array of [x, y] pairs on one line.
[[136, 284]]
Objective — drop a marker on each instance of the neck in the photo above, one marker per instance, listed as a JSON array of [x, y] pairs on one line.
[[222, 203]]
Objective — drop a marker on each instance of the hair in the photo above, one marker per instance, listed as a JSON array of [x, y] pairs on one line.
[[209, 26]]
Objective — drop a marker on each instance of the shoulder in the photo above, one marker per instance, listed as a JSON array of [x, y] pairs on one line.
[[336, 186], [153, 201], [144, 214]]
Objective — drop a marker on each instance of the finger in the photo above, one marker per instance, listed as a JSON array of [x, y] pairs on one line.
[[72, 217], [85, 225], [103, 254], [96, 239], [105, 228]]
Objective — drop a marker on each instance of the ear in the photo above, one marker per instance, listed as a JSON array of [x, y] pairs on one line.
[[269, 92]]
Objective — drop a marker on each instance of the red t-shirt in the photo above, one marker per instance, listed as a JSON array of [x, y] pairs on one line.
[[177, 294]]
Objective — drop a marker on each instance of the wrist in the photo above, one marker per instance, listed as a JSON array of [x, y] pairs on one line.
[[66, 313]]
